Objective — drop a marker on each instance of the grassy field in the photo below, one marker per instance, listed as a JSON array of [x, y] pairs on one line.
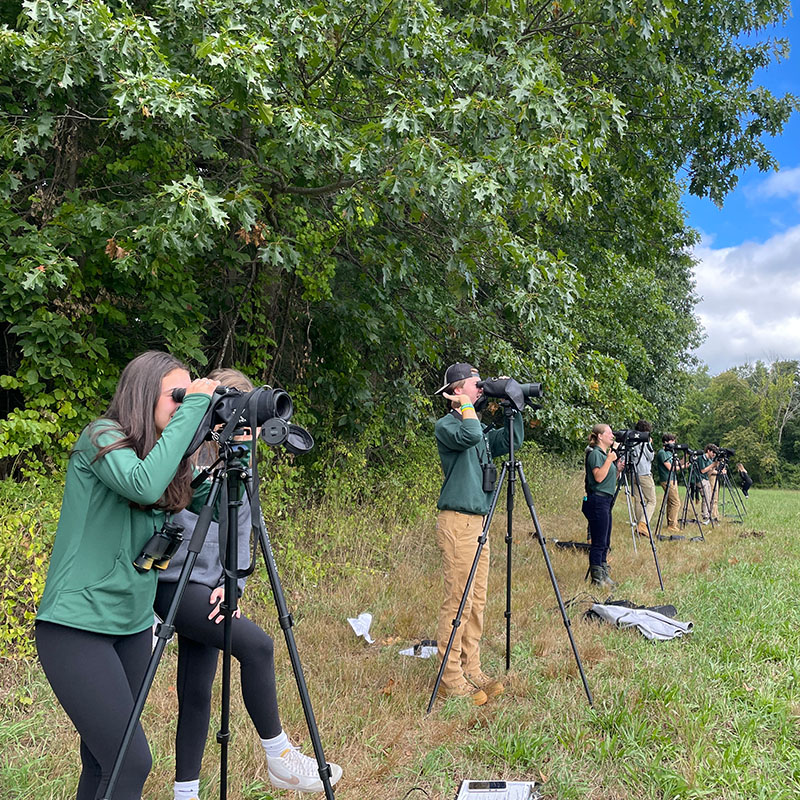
[[713, 715]]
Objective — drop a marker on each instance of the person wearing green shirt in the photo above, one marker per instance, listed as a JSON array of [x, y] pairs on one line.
[[600, 485], [127, 472], [706, 468], [668, 468], [465, 446]]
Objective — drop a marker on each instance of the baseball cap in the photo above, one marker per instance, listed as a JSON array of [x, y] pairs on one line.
[[457, 372]]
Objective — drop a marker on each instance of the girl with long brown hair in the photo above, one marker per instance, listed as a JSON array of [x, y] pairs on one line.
[[126, 472]]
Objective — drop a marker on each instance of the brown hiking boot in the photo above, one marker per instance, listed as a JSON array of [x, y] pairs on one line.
[[491, 687], [476, 696], [641, 529]]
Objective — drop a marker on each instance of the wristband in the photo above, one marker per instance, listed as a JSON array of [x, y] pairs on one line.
[[467, 405]]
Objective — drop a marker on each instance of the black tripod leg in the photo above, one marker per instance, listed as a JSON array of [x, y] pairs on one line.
[[733, 492], [286, 622], [163, 634], [638, 485], [471, 577], [236, 475], [512, 480], [690, 500], [538, 530]]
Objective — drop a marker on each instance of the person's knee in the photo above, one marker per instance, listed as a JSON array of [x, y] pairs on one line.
[[135, 769], [196, 694], [260, 649]]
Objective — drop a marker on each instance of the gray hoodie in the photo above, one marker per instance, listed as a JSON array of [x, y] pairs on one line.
[[208, 569]]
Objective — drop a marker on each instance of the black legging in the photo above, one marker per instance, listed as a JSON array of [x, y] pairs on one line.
[[597, 511], [95, 678], [199, 642]]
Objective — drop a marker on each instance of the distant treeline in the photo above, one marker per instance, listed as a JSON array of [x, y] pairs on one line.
[[753, 409]]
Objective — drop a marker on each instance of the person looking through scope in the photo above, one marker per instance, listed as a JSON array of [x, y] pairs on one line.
[[200, 639], [466, 449], [600, 484], [706, 468], [642, 455], [126, 475], [669, 467]]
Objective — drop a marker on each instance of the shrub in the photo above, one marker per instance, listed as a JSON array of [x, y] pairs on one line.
[[28, 519]]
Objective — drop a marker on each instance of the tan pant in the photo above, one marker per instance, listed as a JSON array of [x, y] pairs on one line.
[[457, 536], [712, 480], [706, 510], [673, 503], [649, 494]]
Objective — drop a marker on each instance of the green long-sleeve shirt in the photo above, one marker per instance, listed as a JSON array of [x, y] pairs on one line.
[[462, 451], [92, 583]]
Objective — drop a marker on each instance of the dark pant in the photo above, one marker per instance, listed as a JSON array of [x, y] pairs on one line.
[[597, 510], [199, 642], [95, 678]]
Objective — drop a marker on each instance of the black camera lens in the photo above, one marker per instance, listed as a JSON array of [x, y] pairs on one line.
[[270, 403], [507, 389], [532, 390]]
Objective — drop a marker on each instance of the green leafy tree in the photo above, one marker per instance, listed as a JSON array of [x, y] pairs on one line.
[[341, 198], [752, 409]]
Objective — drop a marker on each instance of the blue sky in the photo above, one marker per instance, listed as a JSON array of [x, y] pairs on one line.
[[748, 270]]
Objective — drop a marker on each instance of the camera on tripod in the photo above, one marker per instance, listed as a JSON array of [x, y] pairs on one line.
[[263, 407], [672, 447], [631, 437], [725, 453], [517, 394], [271, 404]]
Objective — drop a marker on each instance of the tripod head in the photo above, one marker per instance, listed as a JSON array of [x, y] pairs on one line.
[[629, 446]]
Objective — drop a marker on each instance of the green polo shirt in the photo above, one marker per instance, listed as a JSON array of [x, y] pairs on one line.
[[596, 458], [663, 461], [92, 583], [462, 451], [702, 463]]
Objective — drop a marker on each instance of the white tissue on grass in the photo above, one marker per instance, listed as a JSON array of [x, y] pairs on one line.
[[361, 625]]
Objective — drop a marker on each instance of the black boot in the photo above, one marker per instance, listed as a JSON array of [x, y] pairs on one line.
[[598, 575], [609, 583]]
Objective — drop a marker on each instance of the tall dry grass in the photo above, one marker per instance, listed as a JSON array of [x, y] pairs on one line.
[[368, 700]]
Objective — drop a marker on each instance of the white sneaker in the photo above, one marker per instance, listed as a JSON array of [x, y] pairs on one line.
[[293, 770]]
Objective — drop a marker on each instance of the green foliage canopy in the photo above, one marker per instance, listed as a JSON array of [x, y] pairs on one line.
[[341, 198]]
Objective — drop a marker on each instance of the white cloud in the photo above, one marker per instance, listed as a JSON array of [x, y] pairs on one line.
[[751, 300], [785, 183]]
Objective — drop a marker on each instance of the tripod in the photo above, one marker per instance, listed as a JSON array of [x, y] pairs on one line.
[[729, 489], [229, 476], [706, 502], [630, 476], [512, 469]]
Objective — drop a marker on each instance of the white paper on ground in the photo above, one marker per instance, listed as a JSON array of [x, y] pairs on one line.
[[361, 625], [424, 652]]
